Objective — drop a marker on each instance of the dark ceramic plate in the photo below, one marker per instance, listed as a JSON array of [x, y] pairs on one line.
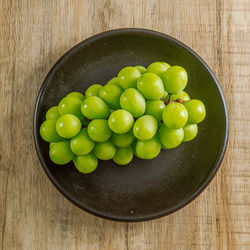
[[145, 189]]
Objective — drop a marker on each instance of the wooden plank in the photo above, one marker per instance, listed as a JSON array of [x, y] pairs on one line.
[[33, 35]]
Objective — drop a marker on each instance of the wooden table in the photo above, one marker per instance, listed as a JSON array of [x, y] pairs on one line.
[[33, 35]]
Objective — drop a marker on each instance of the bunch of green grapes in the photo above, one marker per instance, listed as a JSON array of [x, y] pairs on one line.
[[139, 112]]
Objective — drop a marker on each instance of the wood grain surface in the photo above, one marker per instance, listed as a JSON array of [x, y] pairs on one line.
[[33, 35]]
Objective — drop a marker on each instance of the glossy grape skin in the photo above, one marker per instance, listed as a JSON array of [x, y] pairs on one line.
[[141, 69], [157, 68], [182, 95], [190, 132], [170, 138], [155, 108], [60, 153], [120, 121], [52, 113], [94, 107], [166, 64], [48, 131], [93, 90], [81, 144], [70, 105], [151, 86], [86, 163], [68, 125], [98, 130], [78, 95], [111, 95], [196, 111], [133, 101], [145, 127], [163, 147], [148, 149], [123, 140], [128, 76], [113, 81], [175, 115], [175, 79], [105, 150], [123, 156]]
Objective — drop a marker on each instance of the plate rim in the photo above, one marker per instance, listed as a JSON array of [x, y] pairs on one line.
[[209, 177]]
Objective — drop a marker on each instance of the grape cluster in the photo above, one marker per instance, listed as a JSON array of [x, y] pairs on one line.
[[139, 112]]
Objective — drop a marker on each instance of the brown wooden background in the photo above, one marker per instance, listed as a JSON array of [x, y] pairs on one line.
[[33, 35]]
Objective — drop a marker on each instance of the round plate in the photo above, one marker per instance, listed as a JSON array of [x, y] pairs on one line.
[[144, 189]]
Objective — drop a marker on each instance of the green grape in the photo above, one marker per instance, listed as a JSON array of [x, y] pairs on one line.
[[52, 113], [123, 156], [170, 138], [67, 126], [148, 149], [123, 140], [81, 144], [60, 153], [182, 95], [155, 108], [111, 95], [128, 77], [132, 101], [98, 130], [141, 69], [175, 115], [48, 131], [145, 127], [93, 90], [52, 144], [158, 68], [166, 64], [78, 95], [196, 111], [165, 94], [86, 163], [120, 121], [70, 105], [151, 86], [175, 79], [190, 132], [112, 81], [94, 107], [105, 150]]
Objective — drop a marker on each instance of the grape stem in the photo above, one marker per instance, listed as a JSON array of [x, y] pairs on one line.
[[167, 101]]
